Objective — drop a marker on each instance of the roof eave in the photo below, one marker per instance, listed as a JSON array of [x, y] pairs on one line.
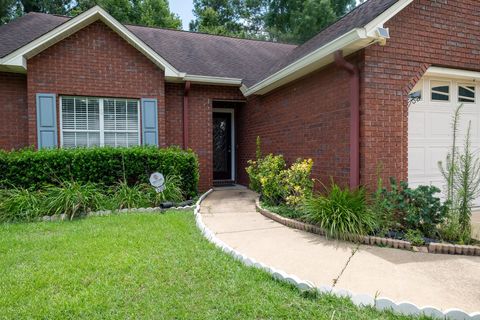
[[348, 42]]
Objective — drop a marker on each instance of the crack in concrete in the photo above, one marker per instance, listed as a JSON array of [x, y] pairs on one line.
[[248, 230], [354, 250]]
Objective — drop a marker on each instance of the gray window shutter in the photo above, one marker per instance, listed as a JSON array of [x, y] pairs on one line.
[[149, 122], [46, 121]]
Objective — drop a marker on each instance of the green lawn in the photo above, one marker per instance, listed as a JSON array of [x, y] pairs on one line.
[[142, 266]]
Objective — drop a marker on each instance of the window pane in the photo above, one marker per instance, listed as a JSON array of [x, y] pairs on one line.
[[93, 139], [109, 114], [109, 139], [132, 115], [466, 93], [120, 114], [440, 91], [93, 111], [68, 113], [82, 139], [69, 139], [132, 139], [80, 113], [121, 139]]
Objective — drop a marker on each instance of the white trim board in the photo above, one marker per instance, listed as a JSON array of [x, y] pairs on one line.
[[232, 134]]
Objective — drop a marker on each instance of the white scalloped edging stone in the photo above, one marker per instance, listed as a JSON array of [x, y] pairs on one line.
[[361, 300]]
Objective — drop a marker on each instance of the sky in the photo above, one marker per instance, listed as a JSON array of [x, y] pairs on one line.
[[184, 9]]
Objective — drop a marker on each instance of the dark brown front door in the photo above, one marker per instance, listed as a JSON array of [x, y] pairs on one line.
[[222, 146]]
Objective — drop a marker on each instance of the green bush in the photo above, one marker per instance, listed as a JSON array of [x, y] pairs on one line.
[[416, 209], [72, 199], [415, 237], [128, 197], [35, 169], [340, 212], [277, 185], [19, 204], [171, 193]]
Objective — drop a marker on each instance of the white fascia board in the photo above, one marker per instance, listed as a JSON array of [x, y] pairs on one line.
[[379, 21], [340, 43], [73, 25], [213, 80], [452, 73]]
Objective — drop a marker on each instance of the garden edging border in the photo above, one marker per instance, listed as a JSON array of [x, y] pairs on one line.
[[361, 300], [442, 248]]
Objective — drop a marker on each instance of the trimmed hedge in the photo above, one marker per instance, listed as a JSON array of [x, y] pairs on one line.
[[33, 169]]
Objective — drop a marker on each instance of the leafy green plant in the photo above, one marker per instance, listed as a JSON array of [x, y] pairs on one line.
[[416, 209], [253, 168], [20, 204], [73, 198], [380, 207], [297, 182], [172, 191], [128, 197], [340, 212], [270, 176], [415, 237], [107, 166]]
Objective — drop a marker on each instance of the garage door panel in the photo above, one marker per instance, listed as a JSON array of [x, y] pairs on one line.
[[430, 133]]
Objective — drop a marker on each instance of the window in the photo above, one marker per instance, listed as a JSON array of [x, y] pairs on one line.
[[90, 122], [440, 91], [466, 93]]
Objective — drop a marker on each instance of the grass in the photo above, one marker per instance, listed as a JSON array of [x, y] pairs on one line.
[[142, 266]]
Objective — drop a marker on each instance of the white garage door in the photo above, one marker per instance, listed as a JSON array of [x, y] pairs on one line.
[[430, 125]]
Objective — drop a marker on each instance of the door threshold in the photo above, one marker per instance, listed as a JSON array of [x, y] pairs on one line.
[[223, 183]]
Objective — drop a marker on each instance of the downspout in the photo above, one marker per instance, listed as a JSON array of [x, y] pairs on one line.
[[185, 115], [354, 117]]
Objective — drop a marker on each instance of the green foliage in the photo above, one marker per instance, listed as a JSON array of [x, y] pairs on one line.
[[154, 13], [19, 204], [462, 176], [107, 166], [340, 212], [415, 237], [299, 20], [416, 209], [285, 211], [297, 183], [72, 199], [277, 184], [171, 193], [240, 18], [128, 197], [270, 171]]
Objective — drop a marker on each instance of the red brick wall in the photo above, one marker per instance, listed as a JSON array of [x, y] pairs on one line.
[[442, 33], [306, 119], [13, 108], [95, 61], [200, 121]]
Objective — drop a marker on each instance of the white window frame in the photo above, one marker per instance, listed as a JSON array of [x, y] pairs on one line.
[[467, 84], [101, 130]]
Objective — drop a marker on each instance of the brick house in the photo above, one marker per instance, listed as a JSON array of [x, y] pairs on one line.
[[376, 88]]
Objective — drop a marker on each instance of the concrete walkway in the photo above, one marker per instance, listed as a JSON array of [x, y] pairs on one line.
[[442, 281]]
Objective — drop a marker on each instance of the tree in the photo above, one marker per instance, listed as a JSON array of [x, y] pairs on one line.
[[154, 13], [241, 18], [299, 20]]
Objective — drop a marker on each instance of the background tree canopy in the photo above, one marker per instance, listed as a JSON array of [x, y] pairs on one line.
[[153, 13], [279, 20]]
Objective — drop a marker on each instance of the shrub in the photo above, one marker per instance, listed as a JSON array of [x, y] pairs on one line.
[[416, 209], [253, 169], [297, 182], [172, 192], [34, 169], [19, 204], [415, 237], [72, 199], [340, 212], [128, 197], [270, 171]]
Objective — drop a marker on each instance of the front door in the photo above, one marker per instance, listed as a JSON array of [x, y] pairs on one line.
[[222, 146]]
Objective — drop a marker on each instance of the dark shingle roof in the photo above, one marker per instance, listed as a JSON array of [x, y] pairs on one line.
[[357, 18], [203, 54]]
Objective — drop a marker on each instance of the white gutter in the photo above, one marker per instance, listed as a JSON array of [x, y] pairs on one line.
[[452, 73], [339, 43], [213, 80]]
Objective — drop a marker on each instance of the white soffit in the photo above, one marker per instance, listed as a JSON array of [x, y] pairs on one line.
[[452, 73]]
